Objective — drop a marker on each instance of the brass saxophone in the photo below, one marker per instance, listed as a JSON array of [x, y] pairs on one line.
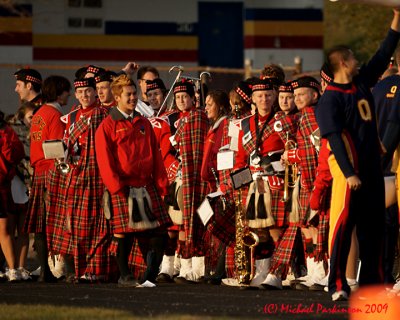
[[245, 240], [291, 170]]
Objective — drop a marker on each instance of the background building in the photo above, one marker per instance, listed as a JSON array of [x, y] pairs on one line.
[[60, 35]]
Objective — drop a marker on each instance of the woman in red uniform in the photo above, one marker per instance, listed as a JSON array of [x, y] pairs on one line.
[[217, 109], [11, 152]]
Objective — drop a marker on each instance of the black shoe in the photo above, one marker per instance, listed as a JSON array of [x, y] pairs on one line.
[[127, 281], [302, 287], [70, 278], [215, 280], [180, 280], [316, 287], [47, 277], [164, 278]]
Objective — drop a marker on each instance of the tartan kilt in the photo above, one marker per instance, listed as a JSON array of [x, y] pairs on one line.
[[56, 206], [230, 261], [7, 204], [283, 256], [36, 215], [278, 208], [276, 213], [304, 205], [321, 250], [120, 211], [222, 224], [80, 228]]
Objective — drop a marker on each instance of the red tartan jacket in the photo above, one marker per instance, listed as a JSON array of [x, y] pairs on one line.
[[46, 125], [11, 153], [270, 141], [128, 153], [78, 113], [189, 138], [306, 154], [162, 131], [212, 145]]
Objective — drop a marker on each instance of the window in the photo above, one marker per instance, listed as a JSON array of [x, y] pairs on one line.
[[74, 22], [74, 3], [93, 23], [92, 3]]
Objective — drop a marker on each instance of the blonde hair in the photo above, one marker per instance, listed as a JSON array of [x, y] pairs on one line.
[[119, 82]]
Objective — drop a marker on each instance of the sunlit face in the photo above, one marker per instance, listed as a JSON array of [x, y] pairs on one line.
[[104, 92], [142, 82], [304, 97], [286, 101], [23, 90], [264, 100], [128, 99], [62, 99], [184, 101], [155, 98], [212, 109], [28, 118], [86, 96]]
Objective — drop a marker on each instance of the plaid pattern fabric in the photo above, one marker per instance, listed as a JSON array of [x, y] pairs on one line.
[[222, 224], [56, 206], [120, 211], [230, 261], [250, 146], [308, 153], [36, 215], [286, 125], [190, 137], [321, 250], [304, 205], [284, 253], [270, 141], [86, 234]]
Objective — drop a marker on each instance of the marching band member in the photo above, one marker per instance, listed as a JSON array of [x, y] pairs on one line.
[[11, 153], [103, 81], [132, 169], [261, 146], [307, 92], [217, 108], [189, 141], [28, 85], [81, 233], [46, 125], [284, 255]]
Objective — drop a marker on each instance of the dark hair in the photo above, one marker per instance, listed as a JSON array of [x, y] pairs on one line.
[[273, 72], [54, 86], [22, 74], [335, 54], [24, 107], [144, 69], [221, 99]]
